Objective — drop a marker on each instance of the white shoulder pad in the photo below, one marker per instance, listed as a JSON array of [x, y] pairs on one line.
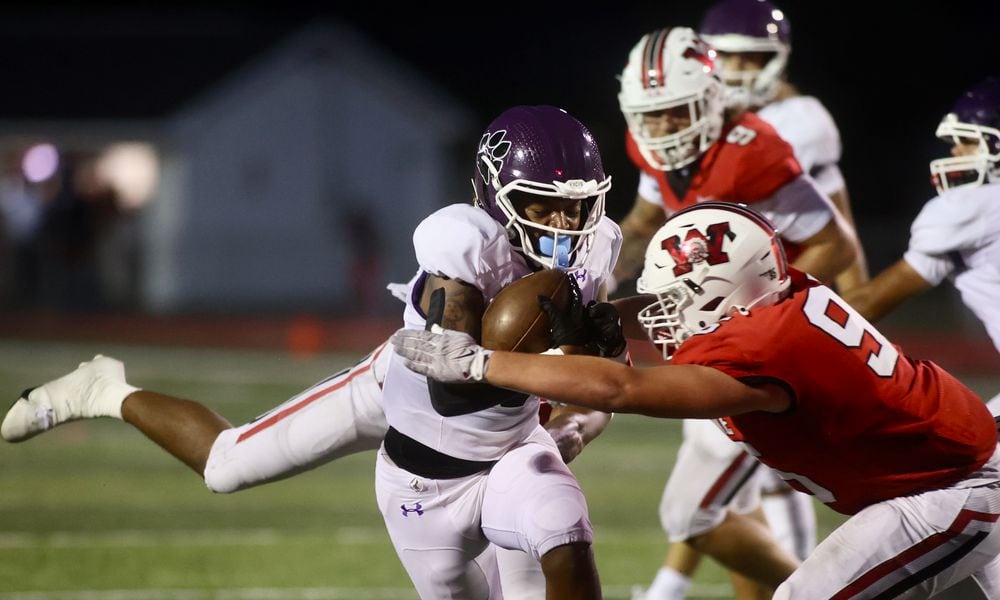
[[949, 222], [805, 124], [649, 189], [607, 247], [463, 242], [798, 210]]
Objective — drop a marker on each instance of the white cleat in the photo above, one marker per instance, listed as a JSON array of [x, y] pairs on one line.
[[638, 593], [95, 389]]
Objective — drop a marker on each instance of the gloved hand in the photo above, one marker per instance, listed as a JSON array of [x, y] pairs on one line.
[[596, 326], [606, 328], [447, 356], [568, 326]]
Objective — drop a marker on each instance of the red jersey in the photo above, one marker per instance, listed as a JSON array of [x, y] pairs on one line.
[[748, 163], [866, 423]]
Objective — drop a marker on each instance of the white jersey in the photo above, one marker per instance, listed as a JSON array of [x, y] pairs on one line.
[[957, 236], [463, 242], [806, 124]]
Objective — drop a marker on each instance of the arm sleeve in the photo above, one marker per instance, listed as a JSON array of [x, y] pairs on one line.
[[935, 236], [798, 209], [649, 189]]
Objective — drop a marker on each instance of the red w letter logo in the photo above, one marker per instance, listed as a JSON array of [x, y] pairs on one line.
[[697, 248]]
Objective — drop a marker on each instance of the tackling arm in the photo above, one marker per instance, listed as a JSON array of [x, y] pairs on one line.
[[673, 391]]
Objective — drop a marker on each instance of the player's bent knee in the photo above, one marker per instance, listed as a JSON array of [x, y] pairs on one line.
[[684, 525], [221, 475]]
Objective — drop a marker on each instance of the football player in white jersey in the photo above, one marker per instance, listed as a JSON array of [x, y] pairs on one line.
[[340, 415], [460, 469], [956, 236]]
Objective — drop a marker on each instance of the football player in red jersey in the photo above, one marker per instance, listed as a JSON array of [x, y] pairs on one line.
[[690, 149], [787, 368]]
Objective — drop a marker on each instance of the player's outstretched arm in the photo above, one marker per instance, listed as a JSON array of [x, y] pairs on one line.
[[676, 391]]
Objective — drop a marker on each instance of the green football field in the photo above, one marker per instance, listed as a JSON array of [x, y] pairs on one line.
[[92, 510]]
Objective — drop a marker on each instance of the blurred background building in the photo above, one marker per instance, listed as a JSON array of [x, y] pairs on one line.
[[290, 184]]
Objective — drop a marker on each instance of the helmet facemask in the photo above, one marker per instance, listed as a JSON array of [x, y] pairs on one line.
[[672, 71], [743, 27], [548, 246], [753, 87], [676, 150], [968, 170], [663, 319]]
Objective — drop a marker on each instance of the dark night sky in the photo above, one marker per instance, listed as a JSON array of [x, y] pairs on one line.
[[887, 84]]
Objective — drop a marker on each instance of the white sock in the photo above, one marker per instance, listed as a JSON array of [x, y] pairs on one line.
[[108, 400], [668, 585]]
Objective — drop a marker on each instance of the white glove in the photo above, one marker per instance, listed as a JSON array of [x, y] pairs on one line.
[[446, 355]]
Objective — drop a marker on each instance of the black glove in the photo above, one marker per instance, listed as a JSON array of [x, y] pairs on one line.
[[596, 326], [606, 328], [569, 325]]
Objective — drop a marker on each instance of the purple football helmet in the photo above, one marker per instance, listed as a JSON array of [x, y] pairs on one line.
[[545, 152], [738, 26], [974, 119]]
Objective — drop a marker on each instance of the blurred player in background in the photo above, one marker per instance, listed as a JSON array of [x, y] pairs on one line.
[[786, 367], [690, 147], [752, 40], [956, 236], [344, 414]]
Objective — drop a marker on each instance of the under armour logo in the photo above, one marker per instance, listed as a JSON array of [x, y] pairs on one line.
[[417, 508]]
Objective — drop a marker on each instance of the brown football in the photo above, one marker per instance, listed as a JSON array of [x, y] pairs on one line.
[[514, 321]]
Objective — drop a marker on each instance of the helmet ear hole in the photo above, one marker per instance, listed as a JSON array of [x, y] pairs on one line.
[[712, 304]]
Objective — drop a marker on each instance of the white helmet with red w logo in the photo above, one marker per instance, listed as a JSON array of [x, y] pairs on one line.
[[708, 262]]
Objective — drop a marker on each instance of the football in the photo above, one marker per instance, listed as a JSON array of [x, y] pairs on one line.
[[514, 321]]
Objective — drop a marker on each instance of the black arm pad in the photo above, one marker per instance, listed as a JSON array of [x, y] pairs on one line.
[[452, 400]]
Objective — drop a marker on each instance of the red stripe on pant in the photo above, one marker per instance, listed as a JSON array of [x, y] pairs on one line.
[[723, 480], [278, 416], [913, 553]]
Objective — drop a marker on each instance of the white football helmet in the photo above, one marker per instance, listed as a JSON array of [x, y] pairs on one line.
[[672, 69], [706, 263], [974, 118], [740, 26]]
